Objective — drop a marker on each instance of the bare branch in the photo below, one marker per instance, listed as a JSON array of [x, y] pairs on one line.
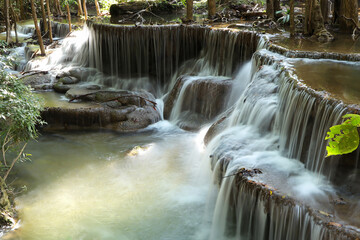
[[14, 161]]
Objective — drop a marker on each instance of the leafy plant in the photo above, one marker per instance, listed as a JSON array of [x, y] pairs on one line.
[[3, 44], [68, 2], [19, 115], [286, 16], [344, 138]]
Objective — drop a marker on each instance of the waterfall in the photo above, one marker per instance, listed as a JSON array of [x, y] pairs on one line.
[[272, 126], [129, 57], [199, 99], [303, 121], [143, 52], [277, 126]]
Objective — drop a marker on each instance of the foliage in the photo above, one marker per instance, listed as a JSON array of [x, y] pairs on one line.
[[7, 59], [3, 44], [105, 4], [286, 16], [19, 115], [344, 138], [68, 2]]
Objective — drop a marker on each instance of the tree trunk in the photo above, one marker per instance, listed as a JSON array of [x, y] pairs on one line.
[[314, 22], [97, 8], [69, 16], [7, 20], [43, 15], [336, 11], [292, 18], [325, 10], [38, 33], [49, 20], [58, 7], [80, 11], [22, 13], [211, 8], [13, 16], [348, 15], [272, 6], [85, 10], [189, 10]]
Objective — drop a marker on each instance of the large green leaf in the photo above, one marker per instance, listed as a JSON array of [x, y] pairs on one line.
[[342, 138], [352, 119]]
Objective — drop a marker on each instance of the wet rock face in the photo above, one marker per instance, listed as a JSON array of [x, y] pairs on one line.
[[275, 215], [204, 96], [118, 110], [218, 126]]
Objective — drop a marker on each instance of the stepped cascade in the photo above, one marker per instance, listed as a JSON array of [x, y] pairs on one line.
[[238, 138]]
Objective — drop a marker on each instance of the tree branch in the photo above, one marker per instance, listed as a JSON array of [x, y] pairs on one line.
[[352, 21], [3, 147], [14, 161]]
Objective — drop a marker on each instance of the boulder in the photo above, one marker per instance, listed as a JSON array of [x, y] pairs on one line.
[[81, 73], [38, 81], [61, 88], [69, 80]]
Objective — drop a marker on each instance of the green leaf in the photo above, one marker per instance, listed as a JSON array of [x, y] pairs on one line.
[[352, 119], [343, 139]]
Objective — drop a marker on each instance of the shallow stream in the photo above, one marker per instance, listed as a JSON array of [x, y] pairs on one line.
[[103, 185]]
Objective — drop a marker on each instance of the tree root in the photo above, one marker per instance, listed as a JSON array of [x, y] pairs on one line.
[[138, 15], [356, 33]]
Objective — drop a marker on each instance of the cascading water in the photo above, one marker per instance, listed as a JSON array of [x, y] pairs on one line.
[[24, 30], [129, 57], [254, 139], [267, 157]]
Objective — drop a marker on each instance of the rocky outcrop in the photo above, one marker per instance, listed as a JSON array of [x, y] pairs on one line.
[[118, 110], [274, 214], [354, 57], [204, 97]]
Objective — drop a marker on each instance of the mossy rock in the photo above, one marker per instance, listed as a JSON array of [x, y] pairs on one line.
[[61, 88]]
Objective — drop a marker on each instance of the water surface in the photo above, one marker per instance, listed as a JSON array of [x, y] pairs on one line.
[[104, 185]]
